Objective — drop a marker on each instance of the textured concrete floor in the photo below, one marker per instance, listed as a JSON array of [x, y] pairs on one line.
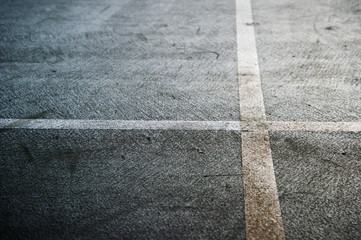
[[120, 185], [319, 183], [174, 60], [144, 60], [310, 59]]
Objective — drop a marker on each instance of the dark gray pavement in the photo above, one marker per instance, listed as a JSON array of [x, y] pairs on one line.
[[136, 60], [174, 60], [129, 60], [310, 59], [120, 185], [319, 183]]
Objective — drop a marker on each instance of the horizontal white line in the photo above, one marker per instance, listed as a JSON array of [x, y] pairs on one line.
[[118, 124], [179, 125], [315, 126]]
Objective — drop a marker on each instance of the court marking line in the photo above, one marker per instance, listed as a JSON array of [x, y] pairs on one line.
[[315, 126], [262, 208], [240, 126], [249, 80], [263, 221], [118, 124]]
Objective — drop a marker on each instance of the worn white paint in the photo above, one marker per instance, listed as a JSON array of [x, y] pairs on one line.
[[250, 90], [118, 124], [180, 125], [315, 126], [262, 208]]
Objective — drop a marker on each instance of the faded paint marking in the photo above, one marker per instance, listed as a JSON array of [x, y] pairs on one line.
[[250, 90], [315, 126], [118, 124], [263, 214], [180, 125], [262, 208]]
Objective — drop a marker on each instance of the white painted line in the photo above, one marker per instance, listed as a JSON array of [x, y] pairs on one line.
[[262, 208], [250, 89], [118, 124], [180, 125], [315, 126]]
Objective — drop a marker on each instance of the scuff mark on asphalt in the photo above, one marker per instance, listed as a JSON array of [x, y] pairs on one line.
[[104, 9], [29, 156], [142, 37]]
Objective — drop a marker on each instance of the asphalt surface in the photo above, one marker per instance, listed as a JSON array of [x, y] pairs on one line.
[[310, 57], [120, 185], [319, 183], [136, 60], [174, 60]]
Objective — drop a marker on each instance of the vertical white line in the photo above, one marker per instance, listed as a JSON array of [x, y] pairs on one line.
[[250, 90], [262, 209], [263, 215]]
